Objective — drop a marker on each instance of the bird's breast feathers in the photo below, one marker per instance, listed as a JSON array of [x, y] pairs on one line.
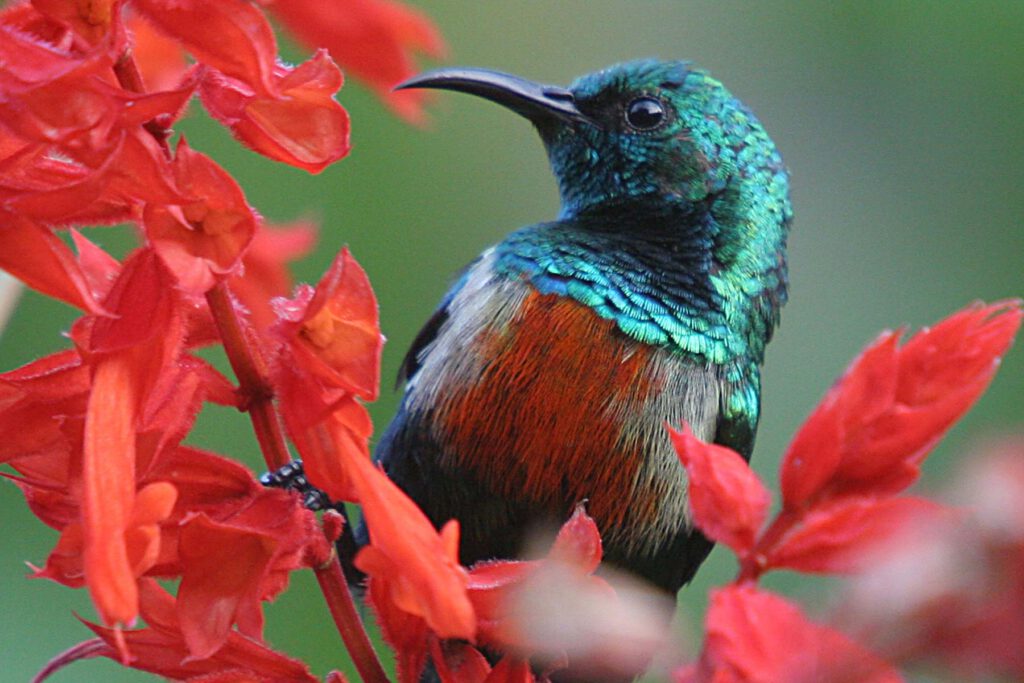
[[547, 402]]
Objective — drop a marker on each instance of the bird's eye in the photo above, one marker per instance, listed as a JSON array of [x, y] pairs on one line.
[[645, 113]]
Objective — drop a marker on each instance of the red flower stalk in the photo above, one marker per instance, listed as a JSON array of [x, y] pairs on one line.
[[90, 94], [840, 478]]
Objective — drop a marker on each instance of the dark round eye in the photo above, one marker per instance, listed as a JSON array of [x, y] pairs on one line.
[[645, 113]]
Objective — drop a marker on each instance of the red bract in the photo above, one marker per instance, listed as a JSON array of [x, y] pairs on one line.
[[758, 637], [300, 124], [232, 36], [876, 425], [204, 240], [374, 39], [333, 331], [161, 649], [265, 267], [728, 501]]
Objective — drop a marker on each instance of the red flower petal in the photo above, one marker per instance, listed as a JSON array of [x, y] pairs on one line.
[[876, 425], [333, 331], [419, 564], [373, 39], [302, 125], [160, 59], [728, 501], [41, 260], [839, 536], [758, 637], [108, 494], [204, 240], [232, 36]]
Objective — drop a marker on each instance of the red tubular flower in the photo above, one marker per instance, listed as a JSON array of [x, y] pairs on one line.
[[418, 565], [126, 355], [757, 637], [373, 39], [329, 354], [203, 240], [265, 267], [161, 649], [728, 501], [300, 124], [876, 425]]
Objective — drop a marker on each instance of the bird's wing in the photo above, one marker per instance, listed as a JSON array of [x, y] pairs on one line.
[[427, 334], [738, 416]]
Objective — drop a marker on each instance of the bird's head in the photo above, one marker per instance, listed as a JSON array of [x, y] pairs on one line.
[[659, 130]]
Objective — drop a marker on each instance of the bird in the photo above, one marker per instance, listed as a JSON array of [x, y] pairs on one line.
[[547, 374]]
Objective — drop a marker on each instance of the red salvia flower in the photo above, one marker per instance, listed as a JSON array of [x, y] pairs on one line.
[[300, 124], [875, 426], [374, 39], [757, 637]]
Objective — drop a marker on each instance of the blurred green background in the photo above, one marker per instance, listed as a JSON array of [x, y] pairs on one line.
[[900, 121]]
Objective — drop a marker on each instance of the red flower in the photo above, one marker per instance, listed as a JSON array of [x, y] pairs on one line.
[[374, 39], [875, 426], [757, 637], [728, 501], [300, 124], [203, 240], [161, 649], [412, 567]]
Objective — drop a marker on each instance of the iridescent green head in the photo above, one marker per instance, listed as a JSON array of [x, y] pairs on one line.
[[650, 150], [643, 129]]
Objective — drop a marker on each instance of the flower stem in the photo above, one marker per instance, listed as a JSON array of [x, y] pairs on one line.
[[753, 564], [245, 353], [130, 78], [343, 609], [243, 350]]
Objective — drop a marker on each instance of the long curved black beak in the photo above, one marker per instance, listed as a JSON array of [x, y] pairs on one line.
[[537, 102]]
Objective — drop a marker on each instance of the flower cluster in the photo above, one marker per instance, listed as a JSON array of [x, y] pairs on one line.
[[841, 480], [179, 547]]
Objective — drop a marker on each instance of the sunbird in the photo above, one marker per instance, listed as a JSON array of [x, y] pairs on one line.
[[549, 372]]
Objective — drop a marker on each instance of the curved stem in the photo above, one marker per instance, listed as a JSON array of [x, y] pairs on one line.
[[343, 609], [257, 395], [130, 78], [244, 351]]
